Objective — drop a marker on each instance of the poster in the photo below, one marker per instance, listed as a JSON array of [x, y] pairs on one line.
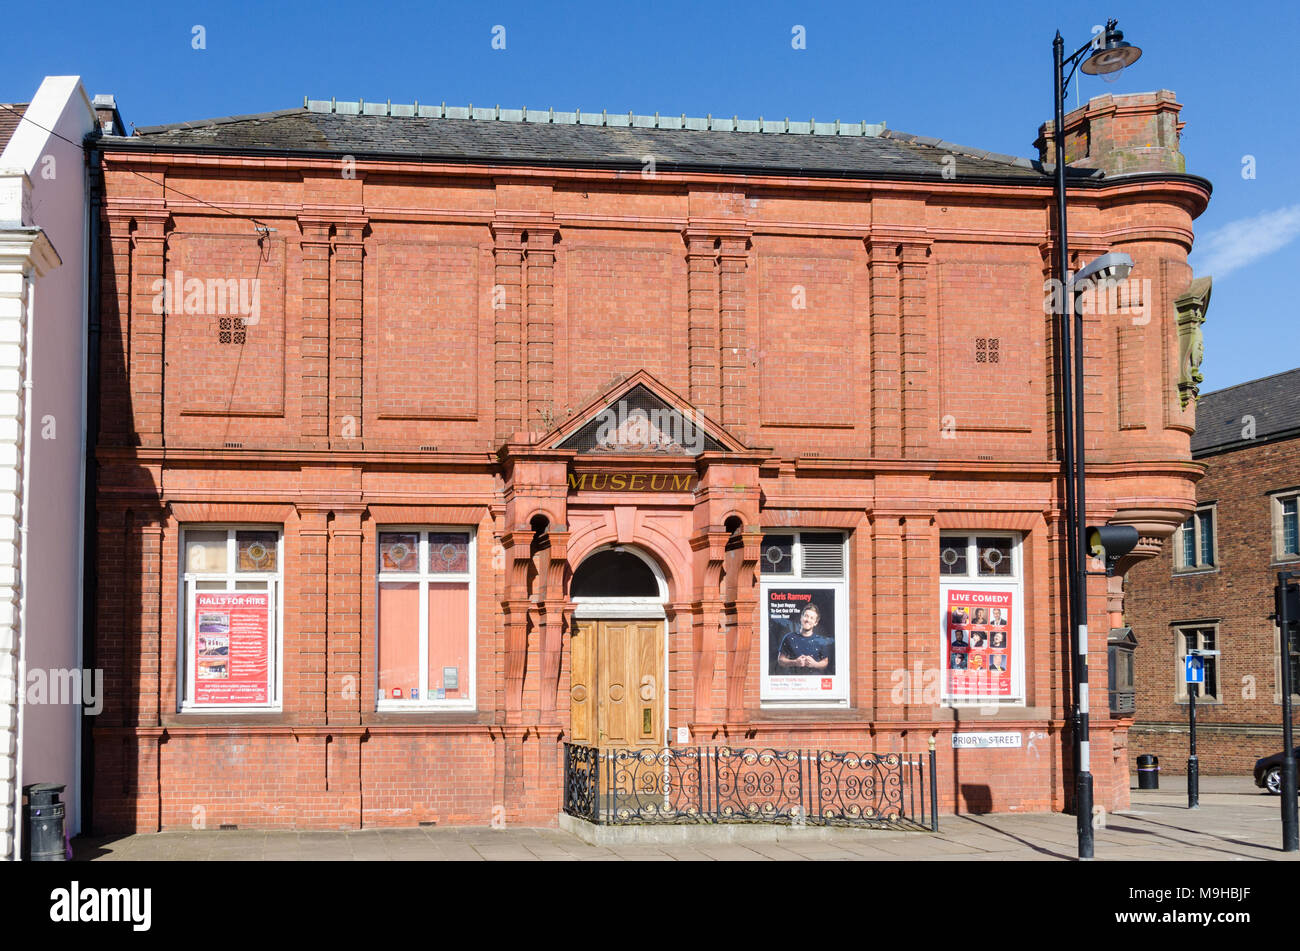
[[977, 643], [232, 647], [801, 643]]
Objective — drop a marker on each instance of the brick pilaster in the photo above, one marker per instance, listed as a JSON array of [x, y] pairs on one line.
[[345, 342], [745, 608], [344, 634], [113, 572], [148, 529], [703, 334], [515, 609], [920, 645], [115, 330], [508, 355], [148, 269], [733, 261], [315, 250], [555, 607], [541, 328], [887, 601], [309, 603], [708, 637], [886, 405], [919, 423]]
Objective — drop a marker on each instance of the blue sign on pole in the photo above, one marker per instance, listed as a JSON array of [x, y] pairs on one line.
[[1195, 670]]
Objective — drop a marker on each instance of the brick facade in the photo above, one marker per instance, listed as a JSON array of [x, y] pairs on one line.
[[1236, 598], [427, 332]]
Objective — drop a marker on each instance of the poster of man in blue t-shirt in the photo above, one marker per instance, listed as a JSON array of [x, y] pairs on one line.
[[802, 625]]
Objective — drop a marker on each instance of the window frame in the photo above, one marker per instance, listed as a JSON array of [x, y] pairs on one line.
[[1180, 659], [1277, 666], [187, 584], [1210, 508], [1013, 583], [1276, 501], [840, 694], [385, 704]]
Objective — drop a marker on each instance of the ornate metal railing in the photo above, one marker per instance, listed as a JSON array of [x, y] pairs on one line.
[[719, 784]]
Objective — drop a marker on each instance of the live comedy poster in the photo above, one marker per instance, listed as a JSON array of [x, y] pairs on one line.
[[801, 647], [978, 643], [232, 647]]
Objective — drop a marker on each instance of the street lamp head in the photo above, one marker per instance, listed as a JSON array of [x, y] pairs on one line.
[[1111, 53], [1115, 266], [1111, 543]]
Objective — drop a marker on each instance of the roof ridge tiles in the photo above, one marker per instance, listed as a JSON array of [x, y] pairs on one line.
[[549, 116]]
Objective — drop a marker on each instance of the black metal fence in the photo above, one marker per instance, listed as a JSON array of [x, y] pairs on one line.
[[713, 784]]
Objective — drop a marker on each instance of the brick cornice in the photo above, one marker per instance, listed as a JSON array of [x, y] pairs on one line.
[[428, 514], [232, 511], [989, 521], [798, 518]]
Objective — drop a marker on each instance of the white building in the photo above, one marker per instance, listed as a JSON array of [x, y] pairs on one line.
[[44, 247]]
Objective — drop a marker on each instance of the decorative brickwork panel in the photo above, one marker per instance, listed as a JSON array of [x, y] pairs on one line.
[[225, 324], [993, 358], [1130, 364], [427, 345], [621, 317], [807, 326]]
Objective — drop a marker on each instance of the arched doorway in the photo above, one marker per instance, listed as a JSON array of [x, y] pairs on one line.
[[618, 675]]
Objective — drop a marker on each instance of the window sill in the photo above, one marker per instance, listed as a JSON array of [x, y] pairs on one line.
[[807, 710], [1185, 572], [1200, 702], [216, 716], [425, 717]]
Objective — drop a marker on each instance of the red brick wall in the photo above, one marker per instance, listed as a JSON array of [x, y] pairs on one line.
[[422, 328], [1245, 723]]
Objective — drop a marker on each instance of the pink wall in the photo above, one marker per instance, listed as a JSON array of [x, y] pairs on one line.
[[57, 370]]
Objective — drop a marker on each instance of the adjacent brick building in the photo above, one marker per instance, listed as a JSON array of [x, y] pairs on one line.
[[532, 427], [1215, 583]]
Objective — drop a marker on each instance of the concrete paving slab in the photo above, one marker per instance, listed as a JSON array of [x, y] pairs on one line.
[[1236, 822]]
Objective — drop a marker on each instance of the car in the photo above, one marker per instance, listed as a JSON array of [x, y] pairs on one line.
[[1268, 772]]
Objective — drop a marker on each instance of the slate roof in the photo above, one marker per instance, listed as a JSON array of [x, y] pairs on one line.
[[590, 140], [10, 115], [1273, 401]]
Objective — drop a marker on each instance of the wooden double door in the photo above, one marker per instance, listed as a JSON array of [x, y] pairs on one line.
[[616, 689]]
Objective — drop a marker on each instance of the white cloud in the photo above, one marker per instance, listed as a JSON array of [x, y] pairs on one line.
[[1244, 241]]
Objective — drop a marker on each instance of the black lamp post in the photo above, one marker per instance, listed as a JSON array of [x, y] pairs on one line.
[[1106, 53]]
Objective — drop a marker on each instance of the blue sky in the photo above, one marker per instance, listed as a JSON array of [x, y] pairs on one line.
[[978, 75]]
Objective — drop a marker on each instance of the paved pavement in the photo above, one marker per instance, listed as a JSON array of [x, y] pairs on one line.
[[1236, 822]]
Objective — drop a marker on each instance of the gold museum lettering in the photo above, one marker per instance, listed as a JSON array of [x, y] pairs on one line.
[[632, 481]]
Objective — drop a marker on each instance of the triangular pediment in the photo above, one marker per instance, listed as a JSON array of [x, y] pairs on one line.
[[641, 417]]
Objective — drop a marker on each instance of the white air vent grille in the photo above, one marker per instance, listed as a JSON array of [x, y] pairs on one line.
[[823, 555]]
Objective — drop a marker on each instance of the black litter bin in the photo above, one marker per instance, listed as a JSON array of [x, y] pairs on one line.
[[44, 816], [1148, 771]]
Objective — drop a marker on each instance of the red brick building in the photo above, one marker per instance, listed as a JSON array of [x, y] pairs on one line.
[[1213, 587], [539, 427]]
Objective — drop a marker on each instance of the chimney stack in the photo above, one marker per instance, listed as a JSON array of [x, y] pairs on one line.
[[110, 120], [1121, 135]]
